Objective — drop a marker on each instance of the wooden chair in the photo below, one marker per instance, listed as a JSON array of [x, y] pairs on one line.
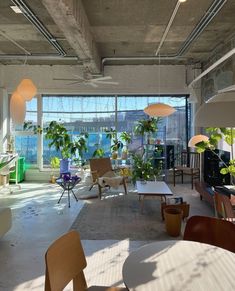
[[223, 206], [65, 262], [210, 230], [189, 165], [98, 168]]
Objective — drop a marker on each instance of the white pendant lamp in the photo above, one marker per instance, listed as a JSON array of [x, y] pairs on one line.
[[17, 108], [27, 89], [196, 139], [159, 110]]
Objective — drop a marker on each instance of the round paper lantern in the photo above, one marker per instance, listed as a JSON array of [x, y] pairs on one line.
[[159, 110], [196, 139], [17, 108], [27, 89]]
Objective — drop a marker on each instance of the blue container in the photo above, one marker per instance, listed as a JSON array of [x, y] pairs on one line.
[[64, 166]]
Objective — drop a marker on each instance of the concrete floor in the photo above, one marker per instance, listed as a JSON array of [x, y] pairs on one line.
[[38, 220]]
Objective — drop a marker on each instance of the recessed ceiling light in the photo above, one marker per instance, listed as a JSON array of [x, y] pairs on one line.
[[16, 9]]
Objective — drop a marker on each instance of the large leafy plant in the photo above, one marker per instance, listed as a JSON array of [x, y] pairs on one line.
[[143, 169], [60, 138], [116, 143], [216, 135], [146, 126]]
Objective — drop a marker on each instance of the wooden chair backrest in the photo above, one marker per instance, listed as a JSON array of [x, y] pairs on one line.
[[100, 166], [65, 261], [190, 159], [223, 206], [210, 230]]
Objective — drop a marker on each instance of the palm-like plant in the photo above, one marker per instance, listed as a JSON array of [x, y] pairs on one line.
[[146, 126]]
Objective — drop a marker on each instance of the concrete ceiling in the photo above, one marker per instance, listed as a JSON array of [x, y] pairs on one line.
[[87, 31]]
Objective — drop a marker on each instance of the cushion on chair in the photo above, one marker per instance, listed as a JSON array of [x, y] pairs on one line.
[[110, 179]]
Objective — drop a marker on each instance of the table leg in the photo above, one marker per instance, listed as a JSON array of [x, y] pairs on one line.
[[69, 198], [142, 205], [74, 195], [61, 196]]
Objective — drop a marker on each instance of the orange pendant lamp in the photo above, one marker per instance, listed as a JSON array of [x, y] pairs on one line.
[[196, 139], [27, 89], [17, 108], [159, 110]]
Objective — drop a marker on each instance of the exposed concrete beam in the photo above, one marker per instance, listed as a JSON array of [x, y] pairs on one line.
[[72, 20]]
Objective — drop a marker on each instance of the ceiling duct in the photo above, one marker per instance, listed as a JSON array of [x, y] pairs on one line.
[[202, 24], [205, 20], [28, 13]]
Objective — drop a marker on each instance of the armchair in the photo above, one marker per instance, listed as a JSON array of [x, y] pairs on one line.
[[104, 176]]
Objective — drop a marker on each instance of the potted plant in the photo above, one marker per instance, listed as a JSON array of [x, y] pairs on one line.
[[62, 141], [116, 144], [60, 138], [143, 170], [147, 126], [126, 137]]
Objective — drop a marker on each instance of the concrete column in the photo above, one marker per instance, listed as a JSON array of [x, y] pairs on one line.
[[4, 118]]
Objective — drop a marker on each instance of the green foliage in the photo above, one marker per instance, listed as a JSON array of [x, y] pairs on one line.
[[55, 162], [60, 138], [126, 137], [111, 133], [216, 134], [116, 144], [146, 126], [99, 152], [143, 169], [30, 126]]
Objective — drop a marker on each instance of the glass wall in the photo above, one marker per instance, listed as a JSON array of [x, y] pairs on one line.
[[95, 114]]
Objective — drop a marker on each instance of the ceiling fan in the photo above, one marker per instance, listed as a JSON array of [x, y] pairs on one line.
[[88, 79]]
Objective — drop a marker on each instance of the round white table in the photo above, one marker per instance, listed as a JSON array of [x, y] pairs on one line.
[[179, 265]]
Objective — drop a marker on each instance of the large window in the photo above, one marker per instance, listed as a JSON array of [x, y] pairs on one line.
[[26, 143], [95, 114]]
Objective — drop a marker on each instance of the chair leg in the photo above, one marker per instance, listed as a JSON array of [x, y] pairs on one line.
[[124, 185], [182, 177], [100, 191], [174, 177]]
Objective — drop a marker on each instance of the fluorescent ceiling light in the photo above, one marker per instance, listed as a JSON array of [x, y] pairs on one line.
[[16, 9], [182, 0]]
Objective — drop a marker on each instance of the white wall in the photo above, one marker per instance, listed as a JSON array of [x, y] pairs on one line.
[[138, 79]]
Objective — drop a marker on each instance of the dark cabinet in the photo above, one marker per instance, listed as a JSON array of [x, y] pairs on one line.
[[212, 166]]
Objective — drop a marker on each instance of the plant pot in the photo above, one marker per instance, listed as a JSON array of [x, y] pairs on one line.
[[114, 155], [124, 155], [64, 165], [173, 218], [53, 179]]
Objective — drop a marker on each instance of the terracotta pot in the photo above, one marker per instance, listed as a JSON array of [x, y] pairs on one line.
[[114, 155], [173, 218]]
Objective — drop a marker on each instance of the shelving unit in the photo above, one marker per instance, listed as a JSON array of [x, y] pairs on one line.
[[157, 151]]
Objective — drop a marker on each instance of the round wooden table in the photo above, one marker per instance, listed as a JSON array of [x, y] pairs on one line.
[[179, 265]]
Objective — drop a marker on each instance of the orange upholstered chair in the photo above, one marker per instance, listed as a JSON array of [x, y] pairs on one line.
[[210, 230]]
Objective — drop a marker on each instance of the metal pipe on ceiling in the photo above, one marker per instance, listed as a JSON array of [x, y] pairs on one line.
[[28, 13], [38, 57], [202, 24], [168, 27]]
